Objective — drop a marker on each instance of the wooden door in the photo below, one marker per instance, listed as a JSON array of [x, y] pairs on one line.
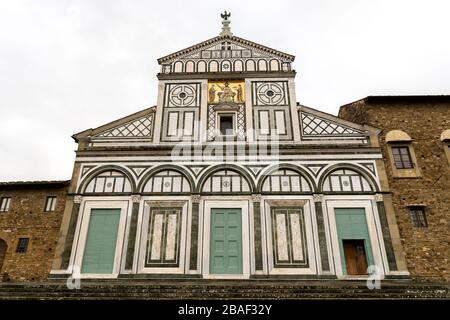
[[355, 257], [226, 241]]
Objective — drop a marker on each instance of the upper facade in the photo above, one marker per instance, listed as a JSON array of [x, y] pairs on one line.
[[226, 88]]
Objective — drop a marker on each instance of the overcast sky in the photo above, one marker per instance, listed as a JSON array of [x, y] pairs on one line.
[[66, 66]]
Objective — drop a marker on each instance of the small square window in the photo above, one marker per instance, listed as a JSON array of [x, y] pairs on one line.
[[226, 127], [4, 204], [50, 204], [418, 217], [402, 158], [22, 246]]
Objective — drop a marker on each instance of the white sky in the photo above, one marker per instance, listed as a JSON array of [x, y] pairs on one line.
[[66, 66]]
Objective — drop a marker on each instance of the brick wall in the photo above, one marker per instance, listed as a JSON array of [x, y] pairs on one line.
[[427, 249], [26, 219]]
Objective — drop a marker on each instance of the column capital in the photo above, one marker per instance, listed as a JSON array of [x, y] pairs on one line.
[[77, 199], [195, 198], [136, 198], [378, 197], [318, 197], [256, 197]]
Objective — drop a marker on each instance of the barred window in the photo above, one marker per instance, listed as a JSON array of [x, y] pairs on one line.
[[402, 157], [22, 245], [4, 204], [418, 217], [50, 204]]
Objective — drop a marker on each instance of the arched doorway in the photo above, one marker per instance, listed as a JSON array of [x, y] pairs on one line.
[[3, 247]]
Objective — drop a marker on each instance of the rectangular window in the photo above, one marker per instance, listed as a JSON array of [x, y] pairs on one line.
[[22, 246], [402, 158], [418, 217], [50, 204], [226, 125], [4, 204]]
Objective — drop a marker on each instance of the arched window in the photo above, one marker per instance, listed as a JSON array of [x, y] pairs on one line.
[[346, 180], [167, 181], [285, 181], [226, 181], [111, 181], [445, 138]]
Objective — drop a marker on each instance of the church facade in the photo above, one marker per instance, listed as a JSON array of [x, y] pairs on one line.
[[229, 177]]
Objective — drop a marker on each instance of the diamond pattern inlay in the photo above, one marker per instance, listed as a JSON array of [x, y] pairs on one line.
[[139, 128], [313, 125]]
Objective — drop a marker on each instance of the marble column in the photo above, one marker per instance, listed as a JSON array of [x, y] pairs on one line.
[[71, 232], [321, 232], [132, 232]]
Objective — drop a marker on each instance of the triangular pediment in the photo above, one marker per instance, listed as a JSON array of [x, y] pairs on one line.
[[226, 54], [137, 125], [206, 49], [315, 124]]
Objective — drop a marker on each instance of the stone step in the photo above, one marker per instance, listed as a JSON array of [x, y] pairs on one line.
[[222, 289]]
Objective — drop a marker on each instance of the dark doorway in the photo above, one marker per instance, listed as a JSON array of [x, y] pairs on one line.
[[3, 248], [355, 257]]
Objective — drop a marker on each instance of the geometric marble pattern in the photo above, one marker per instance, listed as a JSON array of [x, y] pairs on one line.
[[315, 168], [313, 125], [138, 128], [212, 130]]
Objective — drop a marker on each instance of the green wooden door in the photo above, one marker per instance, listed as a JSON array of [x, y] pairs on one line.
[[351, 224], [226, 241], [100, 248]]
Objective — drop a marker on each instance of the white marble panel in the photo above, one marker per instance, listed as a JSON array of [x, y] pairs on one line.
[[282, 242], [171, 237], [296, 233], [155, 253]]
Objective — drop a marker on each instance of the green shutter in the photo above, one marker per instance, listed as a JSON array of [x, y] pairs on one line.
[[100, 248], [351, 224], [226, 241]]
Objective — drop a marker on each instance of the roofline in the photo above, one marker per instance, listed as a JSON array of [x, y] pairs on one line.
[[364, 127], [111, 124], [402, 98], [238, 39], [32, 184]]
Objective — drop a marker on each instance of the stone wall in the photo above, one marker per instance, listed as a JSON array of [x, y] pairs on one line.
[[26, 219], [427, 250]]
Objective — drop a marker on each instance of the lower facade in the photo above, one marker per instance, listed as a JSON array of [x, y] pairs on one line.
[[227, 231]]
